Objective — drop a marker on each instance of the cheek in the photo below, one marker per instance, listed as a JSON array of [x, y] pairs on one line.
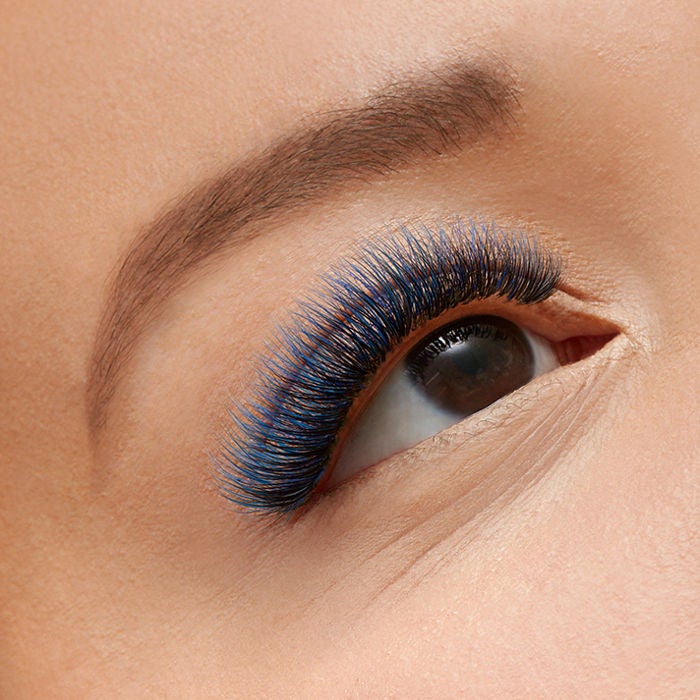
[[579, 576], [592, 567]]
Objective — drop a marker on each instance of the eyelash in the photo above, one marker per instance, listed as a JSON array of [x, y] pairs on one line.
[[277, 446]]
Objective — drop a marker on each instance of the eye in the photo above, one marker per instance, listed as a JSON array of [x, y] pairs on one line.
[[281, 443], [453, 372]]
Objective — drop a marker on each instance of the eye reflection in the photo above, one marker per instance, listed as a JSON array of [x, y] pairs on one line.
[[456, 371]]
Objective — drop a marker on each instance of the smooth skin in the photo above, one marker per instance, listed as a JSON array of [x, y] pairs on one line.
[[548, 549]]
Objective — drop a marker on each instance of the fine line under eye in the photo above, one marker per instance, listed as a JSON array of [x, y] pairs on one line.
[[278, 444]]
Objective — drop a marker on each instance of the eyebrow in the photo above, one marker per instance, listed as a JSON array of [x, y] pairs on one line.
[[423, 116]]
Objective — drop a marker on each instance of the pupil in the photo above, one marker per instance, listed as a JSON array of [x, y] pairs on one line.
[[467, 365]]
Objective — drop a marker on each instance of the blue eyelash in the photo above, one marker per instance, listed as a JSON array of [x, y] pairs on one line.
[[277, 446]]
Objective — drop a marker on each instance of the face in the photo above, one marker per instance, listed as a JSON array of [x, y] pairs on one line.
[[529, 527]]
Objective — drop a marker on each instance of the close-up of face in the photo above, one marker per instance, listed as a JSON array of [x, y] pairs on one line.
[[349, 349]]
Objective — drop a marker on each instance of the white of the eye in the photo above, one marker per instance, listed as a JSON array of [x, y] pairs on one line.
[[400, 416]]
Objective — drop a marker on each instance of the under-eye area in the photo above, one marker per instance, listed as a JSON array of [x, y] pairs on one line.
[[418, 330]]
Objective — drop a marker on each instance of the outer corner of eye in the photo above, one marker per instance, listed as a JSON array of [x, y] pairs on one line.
[[450, 374]]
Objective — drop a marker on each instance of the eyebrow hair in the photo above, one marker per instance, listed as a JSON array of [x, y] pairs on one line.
[[432, 114]]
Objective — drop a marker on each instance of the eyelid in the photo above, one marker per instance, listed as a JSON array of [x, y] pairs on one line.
[[557, 320], [278, 445]]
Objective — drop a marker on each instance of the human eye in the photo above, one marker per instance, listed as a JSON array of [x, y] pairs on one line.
[[386, 352], [453, 372]]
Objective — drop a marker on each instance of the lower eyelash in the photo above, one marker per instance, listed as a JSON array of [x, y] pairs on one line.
[[278, 444]]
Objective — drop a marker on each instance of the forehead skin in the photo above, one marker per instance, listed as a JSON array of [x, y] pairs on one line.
[[122, 573]]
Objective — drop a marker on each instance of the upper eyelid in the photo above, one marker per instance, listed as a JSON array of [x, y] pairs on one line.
[[459, 262], [556, 319]]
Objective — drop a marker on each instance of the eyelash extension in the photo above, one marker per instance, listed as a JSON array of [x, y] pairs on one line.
[[278, 445]]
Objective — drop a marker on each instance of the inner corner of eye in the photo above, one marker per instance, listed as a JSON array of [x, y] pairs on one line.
[[446, 376]]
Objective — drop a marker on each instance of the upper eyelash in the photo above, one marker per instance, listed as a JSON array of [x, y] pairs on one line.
[[278, 445]]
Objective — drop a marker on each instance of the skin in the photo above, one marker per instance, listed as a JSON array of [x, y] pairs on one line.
[[548, 548]]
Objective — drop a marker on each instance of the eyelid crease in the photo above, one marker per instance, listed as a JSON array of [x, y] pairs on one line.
[[277, 445]]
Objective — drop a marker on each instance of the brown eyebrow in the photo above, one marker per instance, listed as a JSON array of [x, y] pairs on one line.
[[425, 116]]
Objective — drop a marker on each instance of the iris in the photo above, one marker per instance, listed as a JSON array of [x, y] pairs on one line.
[[471, 363]]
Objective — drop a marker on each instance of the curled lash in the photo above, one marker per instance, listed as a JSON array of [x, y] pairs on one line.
[[279, 444]]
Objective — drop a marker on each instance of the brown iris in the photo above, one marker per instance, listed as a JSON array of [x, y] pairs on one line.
[[467, 365]]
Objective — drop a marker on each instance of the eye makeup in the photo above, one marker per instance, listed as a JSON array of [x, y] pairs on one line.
[[279, 443]]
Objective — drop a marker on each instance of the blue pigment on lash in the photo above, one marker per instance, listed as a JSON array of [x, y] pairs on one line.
[[279, 443]]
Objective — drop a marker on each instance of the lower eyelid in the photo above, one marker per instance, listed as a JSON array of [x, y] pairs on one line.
[[482, 436]]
